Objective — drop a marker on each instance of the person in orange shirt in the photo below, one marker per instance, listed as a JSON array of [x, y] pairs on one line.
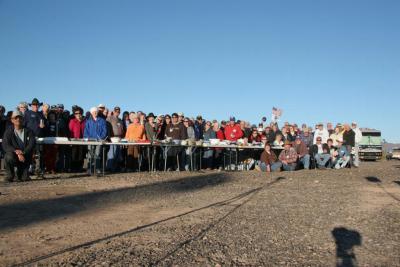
[[135, 132]]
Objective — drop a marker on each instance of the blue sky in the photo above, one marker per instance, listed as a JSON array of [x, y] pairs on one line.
[[335, 61]]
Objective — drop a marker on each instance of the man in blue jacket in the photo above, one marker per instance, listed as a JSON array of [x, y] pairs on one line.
[[95, 129]]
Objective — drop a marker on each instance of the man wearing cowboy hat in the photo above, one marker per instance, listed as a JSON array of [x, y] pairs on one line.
[[34, 119], [18, 145], [288, 157]]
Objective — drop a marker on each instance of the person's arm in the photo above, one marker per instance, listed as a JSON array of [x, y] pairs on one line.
[[86, 132], [183, 132], [7, 142], [102, 134], [31, 143], [293, 157], [143, 134]]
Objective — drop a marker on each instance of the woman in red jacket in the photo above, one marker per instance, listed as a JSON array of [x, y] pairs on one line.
[[76, 128]]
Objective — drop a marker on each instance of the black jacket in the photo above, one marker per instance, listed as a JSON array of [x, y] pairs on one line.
[[10, 143], [349, 138], [314, 149]]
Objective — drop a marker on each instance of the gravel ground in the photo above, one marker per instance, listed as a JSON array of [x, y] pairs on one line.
[[306, 218]]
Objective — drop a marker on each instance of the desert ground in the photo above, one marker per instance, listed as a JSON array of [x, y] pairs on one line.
[[348, 217]]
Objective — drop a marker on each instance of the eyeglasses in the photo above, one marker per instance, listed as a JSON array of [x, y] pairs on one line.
[[78, 113]]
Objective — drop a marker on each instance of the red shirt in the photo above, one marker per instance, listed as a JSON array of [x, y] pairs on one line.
[[233, 133], [76, 128], [220, 135]]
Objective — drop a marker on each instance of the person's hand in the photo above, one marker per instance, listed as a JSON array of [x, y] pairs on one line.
[[21, 158], [18, 152]]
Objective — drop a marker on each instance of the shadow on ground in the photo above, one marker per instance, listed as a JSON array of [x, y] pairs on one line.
[[20, 214], [245, 196], [346, 240], [376, 180]]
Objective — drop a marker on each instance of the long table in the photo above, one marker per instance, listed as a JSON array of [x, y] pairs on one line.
[[151, 145]]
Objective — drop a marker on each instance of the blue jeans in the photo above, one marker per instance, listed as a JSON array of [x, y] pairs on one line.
[[274, 166], [113, 157], [289, 167], [305, 160], [322, 159]]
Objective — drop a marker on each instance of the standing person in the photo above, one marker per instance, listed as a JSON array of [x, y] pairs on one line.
[[288, 157], [337, 134], [176, 131], [321, 132], [307, 138], [50, 152], [302, 152], [22, 106], [268, 160], [329, 127], [3, 125], [95, 129], [181, 117], [34, 121], [199, 127], [233, 132], [208, 153], [114, 155], [18, 144], [76, 131], [349, 140], [191, 137], [64, 152], [135, 132], [151, 127], [218, 160], [357, 141]]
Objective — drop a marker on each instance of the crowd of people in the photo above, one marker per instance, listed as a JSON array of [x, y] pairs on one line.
[[287, 147]]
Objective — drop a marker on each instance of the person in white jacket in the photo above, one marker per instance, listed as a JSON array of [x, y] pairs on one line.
[[358, 138], [321, 132]]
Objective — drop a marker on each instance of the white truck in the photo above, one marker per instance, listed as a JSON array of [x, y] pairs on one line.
[[370, 147]]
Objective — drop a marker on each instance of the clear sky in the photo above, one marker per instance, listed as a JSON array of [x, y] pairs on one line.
[[335, 61]]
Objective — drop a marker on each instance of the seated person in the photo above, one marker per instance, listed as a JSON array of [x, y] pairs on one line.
[[18, 144], [320, 153], [288, 157], [332, 151], [278, 141], [343, 155], [268, 160], [302, 152]]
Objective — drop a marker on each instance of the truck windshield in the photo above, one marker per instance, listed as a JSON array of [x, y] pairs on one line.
[[371, 140]]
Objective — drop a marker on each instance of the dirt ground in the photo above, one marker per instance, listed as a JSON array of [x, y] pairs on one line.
[[306, 218]]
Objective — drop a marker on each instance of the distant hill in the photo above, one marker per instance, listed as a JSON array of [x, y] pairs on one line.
[[389, 146]]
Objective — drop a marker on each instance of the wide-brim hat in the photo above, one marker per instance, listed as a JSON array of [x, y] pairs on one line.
[[35, 101], [287, 142], [151, 114]]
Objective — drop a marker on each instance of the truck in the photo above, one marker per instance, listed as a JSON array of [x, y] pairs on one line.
[[370, 147], [394, 154]]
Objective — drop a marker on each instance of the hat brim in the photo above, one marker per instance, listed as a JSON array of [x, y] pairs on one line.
[[38, 104]]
